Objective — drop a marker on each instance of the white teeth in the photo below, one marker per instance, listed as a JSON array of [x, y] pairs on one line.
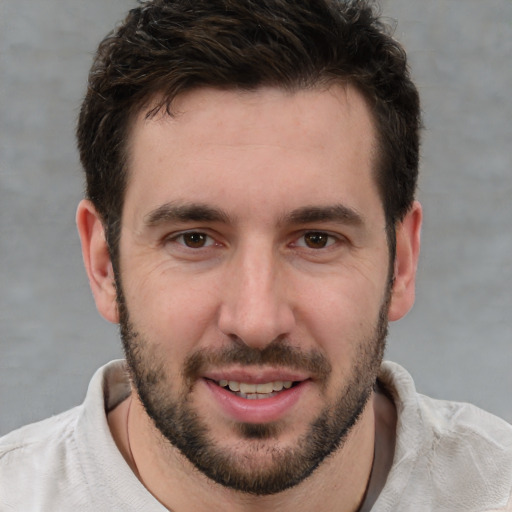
[[265, 388], [249, 389], [278, 385], [234, 386]]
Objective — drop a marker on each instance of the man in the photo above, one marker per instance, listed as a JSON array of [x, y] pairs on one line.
[[250, 223]]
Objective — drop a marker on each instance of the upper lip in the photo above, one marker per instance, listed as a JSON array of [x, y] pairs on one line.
[[256, 375]]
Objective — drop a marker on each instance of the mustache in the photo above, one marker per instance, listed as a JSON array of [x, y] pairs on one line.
[[277, 353]]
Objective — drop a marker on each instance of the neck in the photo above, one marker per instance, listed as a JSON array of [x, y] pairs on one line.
[[341, 479]]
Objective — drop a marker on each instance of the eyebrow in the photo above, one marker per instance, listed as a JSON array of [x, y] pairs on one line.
[[188, 212], [331, 213], [199, 212]]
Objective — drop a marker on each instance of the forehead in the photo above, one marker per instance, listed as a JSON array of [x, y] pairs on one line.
[[308, 109], [248, 140]]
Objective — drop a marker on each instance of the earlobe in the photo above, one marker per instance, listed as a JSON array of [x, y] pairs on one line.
[[96, 256], [408, 241]]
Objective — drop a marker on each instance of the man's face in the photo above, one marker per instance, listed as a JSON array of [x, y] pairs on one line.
[[253, 279]]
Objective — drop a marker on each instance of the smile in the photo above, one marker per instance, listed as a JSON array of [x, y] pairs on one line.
[[255, 391], [268, 400]]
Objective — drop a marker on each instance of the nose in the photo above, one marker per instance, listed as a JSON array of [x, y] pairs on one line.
[[256, 308]]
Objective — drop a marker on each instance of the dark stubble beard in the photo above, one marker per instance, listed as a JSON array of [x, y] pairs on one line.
[[180, 424]]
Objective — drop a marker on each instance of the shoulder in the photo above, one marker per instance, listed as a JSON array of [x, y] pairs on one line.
[[35, 438], [468, 440], [38, 454], [443, 420], [108, 387], [465, 456], [453, 456], [464, 423], [53, 464]]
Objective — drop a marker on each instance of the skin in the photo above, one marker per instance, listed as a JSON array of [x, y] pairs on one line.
[[260, 158]]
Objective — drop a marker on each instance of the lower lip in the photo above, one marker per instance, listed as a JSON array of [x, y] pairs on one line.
[[261, 410]]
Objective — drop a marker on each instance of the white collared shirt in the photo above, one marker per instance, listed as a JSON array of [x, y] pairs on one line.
[[449, 457]]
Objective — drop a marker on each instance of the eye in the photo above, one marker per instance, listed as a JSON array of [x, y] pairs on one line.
[[315, 240], [194, 240]]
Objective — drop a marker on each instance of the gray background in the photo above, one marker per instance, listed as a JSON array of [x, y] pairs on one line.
[[457, 342]]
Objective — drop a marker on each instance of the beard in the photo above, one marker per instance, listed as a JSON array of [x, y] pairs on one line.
[[240, 468]]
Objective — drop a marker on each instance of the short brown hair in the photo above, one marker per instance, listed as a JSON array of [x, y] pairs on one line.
[[166, 47]]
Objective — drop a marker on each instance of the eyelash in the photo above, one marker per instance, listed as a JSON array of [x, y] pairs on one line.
[[176, 239], [322, 235], [299, 242]]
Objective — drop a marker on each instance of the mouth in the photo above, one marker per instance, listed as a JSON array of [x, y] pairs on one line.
[[255, 398]]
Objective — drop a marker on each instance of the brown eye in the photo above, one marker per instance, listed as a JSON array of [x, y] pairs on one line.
[[316, 240], [195, 240]]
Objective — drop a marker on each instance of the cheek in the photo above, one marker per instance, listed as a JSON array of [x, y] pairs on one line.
[[341, 313], [173, 312]]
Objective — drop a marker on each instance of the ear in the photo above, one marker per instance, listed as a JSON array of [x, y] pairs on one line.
[[97, 260], [408, 241]]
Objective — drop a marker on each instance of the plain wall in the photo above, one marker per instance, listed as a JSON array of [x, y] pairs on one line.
[[457, 342]]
